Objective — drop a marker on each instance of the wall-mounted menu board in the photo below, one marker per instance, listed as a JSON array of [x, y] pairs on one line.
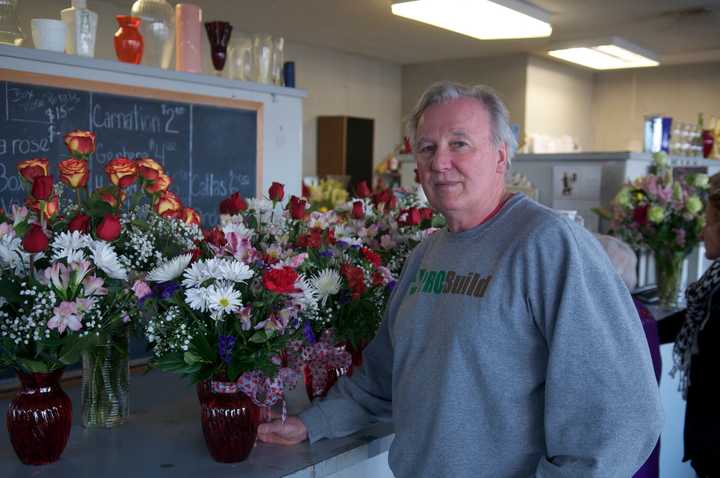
[[208, 145]]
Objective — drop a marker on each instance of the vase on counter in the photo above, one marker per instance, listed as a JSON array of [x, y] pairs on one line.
[[128, 40], [668, 272], [39, 418], [81, 31], [229, 420], [105, 377], [10, 32], [188, 38], [158, 30]]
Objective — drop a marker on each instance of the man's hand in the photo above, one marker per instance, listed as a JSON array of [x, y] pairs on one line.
[[291, 432]]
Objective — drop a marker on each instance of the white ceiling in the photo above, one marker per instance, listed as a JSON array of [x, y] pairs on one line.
[[679, 31]]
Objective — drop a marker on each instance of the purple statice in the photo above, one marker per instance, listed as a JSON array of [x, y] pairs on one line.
[[308, 333], [391, 285], [165, 290], [326, 253], [225, 347]]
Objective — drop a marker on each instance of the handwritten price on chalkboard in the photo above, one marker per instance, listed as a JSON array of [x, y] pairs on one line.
[[171, 112]]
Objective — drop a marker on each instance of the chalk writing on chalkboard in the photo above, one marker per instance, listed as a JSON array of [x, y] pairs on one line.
[[209, 151]]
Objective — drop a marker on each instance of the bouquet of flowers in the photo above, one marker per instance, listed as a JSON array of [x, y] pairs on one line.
[[326, 194], [135, 218], [227, 314], [663, 214]]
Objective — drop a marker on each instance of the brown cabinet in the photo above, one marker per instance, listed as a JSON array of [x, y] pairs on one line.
[[345, 148]]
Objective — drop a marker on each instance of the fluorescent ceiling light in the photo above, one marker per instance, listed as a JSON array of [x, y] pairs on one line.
[[606, 54], [482, 19]]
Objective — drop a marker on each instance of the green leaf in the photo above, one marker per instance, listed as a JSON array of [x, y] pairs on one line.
[[71, 352], [259, 337], [10, 290], [33, 366], [191, 358]]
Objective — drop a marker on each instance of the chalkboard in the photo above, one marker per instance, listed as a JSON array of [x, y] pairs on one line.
[[209, 150]]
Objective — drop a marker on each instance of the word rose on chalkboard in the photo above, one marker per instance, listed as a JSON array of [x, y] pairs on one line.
[[209, 151]]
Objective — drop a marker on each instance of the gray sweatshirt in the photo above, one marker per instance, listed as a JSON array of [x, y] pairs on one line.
[[509, 350]]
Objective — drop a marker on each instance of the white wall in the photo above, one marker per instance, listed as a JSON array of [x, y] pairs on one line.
[[352, 85], [622, 98], [559, 101], [507, 75]]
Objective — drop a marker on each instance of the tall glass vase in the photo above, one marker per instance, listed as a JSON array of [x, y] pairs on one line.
[[668, 272], [105, 378], [10, 33], [158, 31]]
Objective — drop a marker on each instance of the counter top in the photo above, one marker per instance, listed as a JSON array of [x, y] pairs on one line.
[[163, 438]]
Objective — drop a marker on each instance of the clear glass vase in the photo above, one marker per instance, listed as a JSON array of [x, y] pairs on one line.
[[158, 31], [669, 272], [10, 33], [105, 378]]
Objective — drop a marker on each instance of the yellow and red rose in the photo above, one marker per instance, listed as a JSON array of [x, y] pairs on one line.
[[190, 216], [74, 172], [149, 169], [122, 172], [80, 143], [168, 205], [32, 168], [159, 184]]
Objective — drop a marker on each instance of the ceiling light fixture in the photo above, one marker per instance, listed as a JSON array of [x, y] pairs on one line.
[[605, 54], [482, 19]]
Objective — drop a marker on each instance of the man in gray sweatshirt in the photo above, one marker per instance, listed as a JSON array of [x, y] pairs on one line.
[[509, 347]]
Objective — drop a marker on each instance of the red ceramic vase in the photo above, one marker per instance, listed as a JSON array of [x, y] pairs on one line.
[[39, 418], [229, 421], [128, 40]]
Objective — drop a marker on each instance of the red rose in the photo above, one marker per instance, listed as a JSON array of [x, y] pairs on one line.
[[280, 281], [315, 238], [372, 256], [109, 228], [215, 237], [168, 205], [234, 204], [358, 210], [35, 239], [382, 197], [377, 279], [42, 187], [392, 202], [640, 215], [48, 208], [413, 216], [362, 190], [355, 279], [159, 184], [426, 213], [297, 207], [330, 236], [33, 167], [276, 192], [81, 223], [305, 191], [80, 143]]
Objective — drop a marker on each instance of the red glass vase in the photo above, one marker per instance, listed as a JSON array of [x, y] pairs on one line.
[[319, 390], [128, 40], [39, 418], [229, 421]]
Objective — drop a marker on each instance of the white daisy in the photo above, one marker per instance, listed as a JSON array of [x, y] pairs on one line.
[[235, 271], [105, 258], [326, 283], [196, 274], [170, 270], [197, 299], [223, 299]]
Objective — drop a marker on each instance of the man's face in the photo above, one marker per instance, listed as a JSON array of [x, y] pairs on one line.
[[461, 171]]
